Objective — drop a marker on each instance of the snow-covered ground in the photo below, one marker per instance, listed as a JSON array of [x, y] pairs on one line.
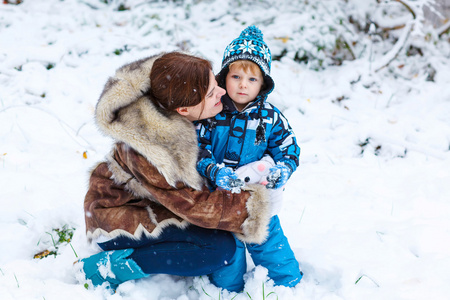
[[367, 213]]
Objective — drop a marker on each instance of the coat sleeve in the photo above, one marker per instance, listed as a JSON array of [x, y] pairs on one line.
[[282, 144], [247, 214]]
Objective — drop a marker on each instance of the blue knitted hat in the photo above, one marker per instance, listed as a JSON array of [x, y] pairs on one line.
[[248, 46]]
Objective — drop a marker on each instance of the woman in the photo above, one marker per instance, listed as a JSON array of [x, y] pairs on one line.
[[147, 207]]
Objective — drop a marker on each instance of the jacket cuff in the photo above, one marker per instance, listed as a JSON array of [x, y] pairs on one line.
[[255, 227], [289, 163], [202, 166]]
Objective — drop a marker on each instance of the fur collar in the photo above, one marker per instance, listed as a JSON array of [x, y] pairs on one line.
[[166, 139]]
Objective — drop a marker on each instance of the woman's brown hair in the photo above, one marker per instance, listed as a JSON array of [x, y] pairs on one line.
[[179, 80]]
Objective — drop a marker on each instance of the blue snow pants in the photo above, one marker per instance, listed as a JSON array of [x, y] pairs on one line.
[[275, 254], [192, 251]]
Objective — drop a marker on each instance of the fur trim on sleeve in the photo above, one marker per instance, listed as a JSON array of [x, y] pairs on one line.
[[255, 228]]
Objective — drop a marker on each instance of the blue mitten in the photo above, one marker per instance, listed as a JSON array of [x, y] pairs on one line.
[[278, 176], [224, 177]]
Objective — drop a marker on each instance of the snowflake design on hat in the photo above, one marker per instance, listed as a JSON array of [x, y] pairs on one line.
[[266, 53], [247, 46], [229, 50]]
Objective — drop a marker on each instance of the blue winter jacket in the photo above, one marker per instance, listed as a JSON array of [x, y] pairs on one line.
[[229, 137]]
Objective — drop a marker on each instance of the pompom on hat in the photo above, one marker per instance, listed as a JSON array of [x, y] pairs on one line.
[[248, 46]]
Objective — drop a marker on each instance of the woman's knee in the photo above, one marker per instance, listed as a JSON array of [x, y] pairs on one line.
[[223, 242]]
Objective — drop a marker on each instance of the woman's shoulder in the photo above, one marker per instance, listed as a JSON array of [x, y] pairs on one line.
[[140, 67]]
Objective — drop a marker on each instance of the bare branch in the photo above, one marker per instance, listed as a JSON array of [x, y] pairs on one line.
[[408, 8], [391, 28], [399, 26], [443, 30], [393, 53], [349, 48]]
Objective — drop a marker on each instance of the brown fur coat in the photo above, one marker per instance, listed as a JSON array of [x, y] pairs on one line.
[[149, 181]]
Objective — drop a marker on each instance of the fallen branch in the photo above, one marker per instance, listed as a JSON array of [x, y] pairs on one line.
[[399, 26], [399, 45], [443, 30], [391, 28]]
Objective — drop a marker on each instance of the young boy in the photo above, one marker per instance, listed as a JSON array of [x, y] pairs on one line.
[[248, 129]]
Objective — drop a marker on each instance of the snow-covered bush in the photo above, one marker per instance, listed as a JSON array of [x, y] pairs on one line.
[[316, 33]]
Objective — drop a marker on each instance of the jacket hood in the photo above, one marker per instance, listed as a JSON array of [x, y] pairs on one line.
[[166, 139]]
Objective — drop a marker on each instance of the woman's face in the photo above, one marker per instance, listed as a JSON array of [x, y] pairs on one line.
[[210, 106]]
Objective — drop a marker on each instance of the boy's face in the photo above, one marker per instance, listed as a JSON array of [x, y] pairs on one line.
[[243, 87]]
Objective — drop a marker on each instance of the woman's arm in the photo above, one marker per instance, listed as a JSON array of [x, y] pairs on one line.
[[246, 213]]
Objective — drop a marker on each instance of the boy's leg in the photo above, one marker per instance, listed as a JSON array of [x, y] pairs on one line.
[[276, 255], [231, 276]]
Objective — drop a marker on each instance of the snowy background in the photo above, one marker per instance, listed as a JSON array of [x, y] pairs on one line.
[[368, 211]]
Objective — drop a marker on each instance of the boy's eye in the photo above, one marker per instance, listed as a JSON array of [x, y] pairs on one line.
[[235, 76], [253, 79]]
